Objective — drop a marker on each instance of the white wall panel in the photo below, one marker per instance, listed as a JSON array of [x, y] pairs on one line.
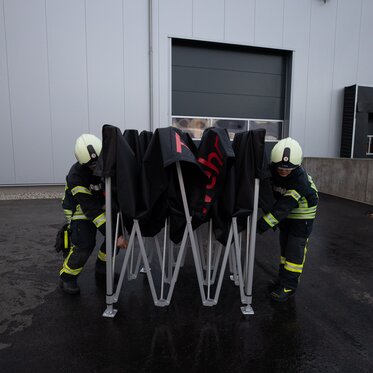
[[320, 77], [176, 20], [269, 18], [29, 90], [105, 63], [154, 56], [68, 79], [346, 52], [7, 175], [365, 69], [208, 19], [136, 65], [297, 15], [239, 21]]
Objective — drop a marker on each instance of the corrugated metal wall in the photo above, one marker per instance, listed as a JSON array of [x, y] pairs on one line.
[[67, 67]]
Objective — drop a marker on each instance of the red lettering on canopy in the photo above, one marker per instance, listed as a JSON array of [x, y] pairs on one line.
[[179, 143], [208, 199], [212, 167]]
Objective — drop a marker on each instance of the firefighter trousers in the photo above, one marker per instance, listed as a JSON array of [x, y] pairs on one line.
[[83, 241], [294, 235]]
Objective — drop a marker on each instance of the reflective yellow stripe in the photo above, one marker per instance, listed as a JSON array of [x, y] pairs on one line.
[[303, 203], [302, 216], [301, 210], [67, 269], [313, 186], [303, 213], [68, 215], [78, 214], [99, 220], [293, 193], [64, 194], [79, 217], [101, 255], [66, 239], [293, 267], [270, 219], [80, 189], [305, 252], [67, 212]]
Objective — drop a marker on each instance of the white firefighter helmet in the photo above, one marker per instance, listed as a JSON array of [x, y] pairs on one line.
[[87, 148], [287, 153]]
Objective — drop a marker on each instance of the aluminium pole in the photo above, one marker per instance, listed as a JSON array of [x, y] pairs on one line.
[[109, 312], [248, 310]]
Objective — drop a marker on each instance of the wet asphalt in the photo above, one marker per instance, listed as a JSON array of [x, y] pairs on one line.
[[326, 327]]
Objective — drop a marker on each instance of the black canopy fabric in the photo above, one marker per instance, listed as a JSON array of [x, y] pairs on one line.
[[168, 146], [238, 189], [251, 163], [218, 177], [133, 140], [122, 161], [144, 138], [216, 157]]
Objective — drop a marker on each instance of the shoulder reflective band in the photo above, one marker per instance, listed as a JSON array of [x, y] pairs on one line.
[[99, 220], [313, 186], [80, 189], [293, 193], [270, 220]]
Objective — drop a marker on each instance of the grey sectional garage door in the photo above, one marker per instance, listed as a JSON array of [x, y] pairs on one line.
[[219, 80]]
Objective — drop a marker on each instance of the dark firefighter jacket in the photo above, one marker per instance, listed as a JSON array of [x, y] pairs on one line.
[[296, 198], [84, 197]]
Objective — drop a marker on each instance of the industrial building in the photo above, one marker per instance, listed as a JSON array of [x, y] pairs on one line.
[[299, 68]]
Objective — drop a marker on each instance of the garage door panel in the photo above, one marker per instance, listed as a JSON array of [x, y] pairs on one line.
[[227, 82], [228, 106], [245, 60]]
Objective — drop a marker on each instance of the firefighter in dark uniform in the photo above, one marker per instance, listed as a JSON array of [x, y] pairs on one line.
[[293, 212], [83, 205]]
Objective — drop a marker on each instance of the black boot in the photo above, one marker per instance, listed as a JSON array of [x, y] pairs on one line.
[[70, 287], [273, 285], [282, 294]]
